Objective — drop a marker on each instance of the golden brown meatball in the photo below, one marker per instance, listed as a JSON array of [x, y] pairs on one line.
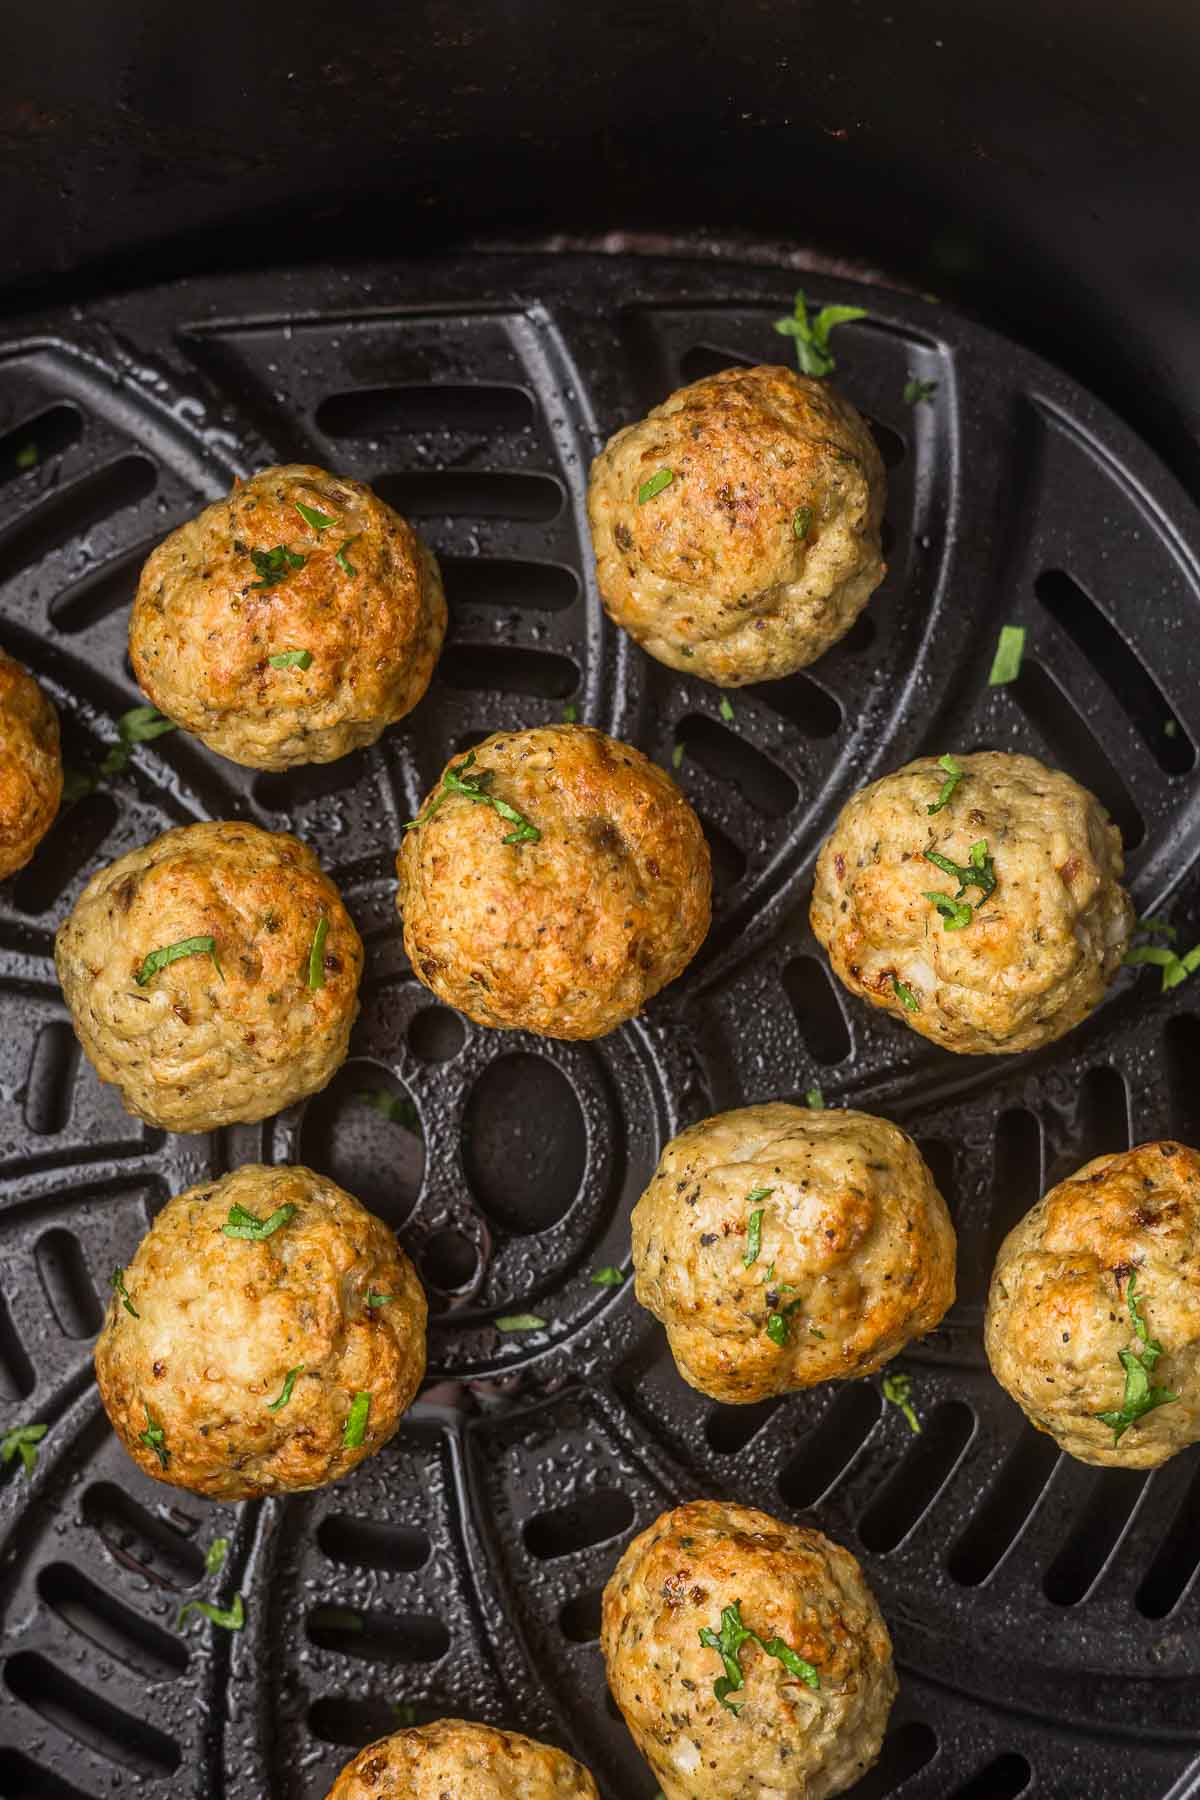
[[762, 548], [212, 975], [564, 888], [31, 773], [283, 636], [1013, 944], [781, 1247], [266, 1337], [815, 1660], [1093, 1320], [468, 1762]]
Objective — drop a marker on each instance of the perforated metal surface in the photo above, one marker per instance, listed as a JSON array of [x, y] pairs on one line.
[[1045, 1615]]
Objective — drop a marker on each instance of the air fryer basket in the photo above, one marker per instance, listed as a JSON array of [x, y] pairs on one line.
[[1045, 1614]]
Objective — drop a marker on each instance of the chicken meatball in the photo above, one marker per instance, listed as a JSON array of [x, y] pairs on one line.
[[796, 1707], [978, 899], [1093, 1320], [265, 1339], [552, 882], [31, 772], [290, 623], [782, 1246], [212, 975], [736, 528], [470, 1762]]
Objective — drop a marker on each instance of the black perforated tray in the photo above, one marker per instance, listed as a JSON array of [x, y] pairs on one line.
[[1045, 1615]]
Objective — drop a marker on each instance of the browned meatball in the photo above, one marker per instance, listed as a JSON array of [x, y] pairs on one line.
[[212, 975], [291, 622], [782, 1246], [31, 773], [565, 886], [266, 1337], [736, 528], [454, 1760], [813, 1654], [1093, 1321]]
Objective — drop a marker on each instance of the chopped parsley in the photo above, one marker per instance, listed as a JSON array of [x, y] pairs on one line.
[[342, 560], [811, 337], [316, 953], [140, 725], [815, 1099], [374, 1299], [214, 1560], [27, 456], [228, 1618], [318, 520], [1175, 968], [521, 1322], [1006, 664], [22, 1441], [400, 1110], [726, 709], [472, 787], [728, 1644], [753, 1237], [356, 1421], [779, 1323], [609, 1276], [291, 659], [657, 482], [953, 776], [243, 1224], [905, 995], [155, 1438], [285, 1392], [677, 757], [802, 520], [955, 913], [978, 872], [193, 946], [1140, 1396], [116, 1281], [896, 1391], [916, 391], [570, 713], [274, 566]]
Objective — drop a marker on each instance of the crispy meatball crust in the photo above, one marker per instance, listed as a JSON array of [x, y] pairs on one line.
[[786, 1742], [203, 627], [200, 1045], [31, 772], [1058, 1313], [218, 1322], [470, 1762], [1036, 956], [855, 1235], [764, 548], [570, 935]]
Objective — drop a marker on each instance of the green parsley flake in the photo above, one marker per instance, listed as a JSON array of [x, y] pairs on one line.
[[1006, 664], [274, 566], [1140, 1396], [22, 1441], [978, 872], [815, 1099], [905, 995], [520, 1322], [318, 520], [243, 1224], [117, 1281], [27, 456], [728, 1644], [1175, 968], [316, 954], [779, 1323], [342, 560], [753, 1237], [726, 709], [953, 776], [811, 338], [193, 946], [916, 391], [896, 1390], [356, 1422], [155, 1438], [398, 1108], [802, 520], [291, 659], [956, 914], [214, 1560], [677, 757], [655, 485], [374, 1299], [472, 787], [140, 725], [570, 713], [609, 1276], [228, 1618], [285, 1393]]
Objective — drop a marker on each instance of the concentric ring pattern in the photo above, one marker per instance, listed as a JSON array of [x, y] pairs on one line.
[[1045, 1615]]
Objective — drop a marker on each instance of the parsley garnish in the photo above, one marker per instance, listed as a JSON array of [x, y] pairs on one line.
[[726, 709], [22, 1441], [655, 485], [138, 726], [316, 965], [728, 1644], [285, 1392], [318, 520], [342, 560], [274, 566], [155, 1438], [521, 1322], [117, 1280], [802, 520], [609, 1276], [677, 757], [218, 1550], [915, 391], [753, 1237], [905, 995], [1140, 1396], [815, 1099], [955, 913], [472, 787], [356, 1421], [229, 1619], [953, 776], [1006, 664], [193, 946], [243, 1224], [896, 1390], [570, 713], [27, 456], [979, 871], [812, 338], [291, 659], [1175, 968], [779, 1324], [374, 1299], [390, 1106]]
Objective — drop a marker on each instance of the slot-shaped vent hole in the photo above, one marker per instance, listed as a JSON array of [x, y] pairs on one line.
[[595, 1518], [436, 1034], [507, 583], [524, 1143], [336, 1719], [1075, 747], [1094, 1536], [1003, 1779], [378, 1158], [1175, 1561], [1121, 670], [728, 858], [16, 1371], [284, 791], [730, 1428], [1018, 1159], [701, 360], [25, 448], [727, 757], [860, 637], [906, 1751], [90, 1717], [802, 702], [579, 1619], [141, 1541], [472, 494], [367, 1544], [67, 848], [114, 1628], [928, 1465], [100, 592], [483, 407], [826, 1453], [64, 1273], [21, 1779], [51, 1079], [392, 1638], [1101, 1125], [71, 512], [449, 1261], [939, 1157], [1002, 1515], [818, 1012], [509, 669], [1182, 1041], [889, 442]]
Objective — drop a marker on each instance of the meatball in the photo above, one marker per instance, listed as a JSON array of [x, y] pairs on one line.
[[736, 528], [1093, 1319], [807, 1715], [470, 1762], [552, 882], [266, 1337], [290, 623], [978, 899], [781, 1247], [31, 772], [212, 975]]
